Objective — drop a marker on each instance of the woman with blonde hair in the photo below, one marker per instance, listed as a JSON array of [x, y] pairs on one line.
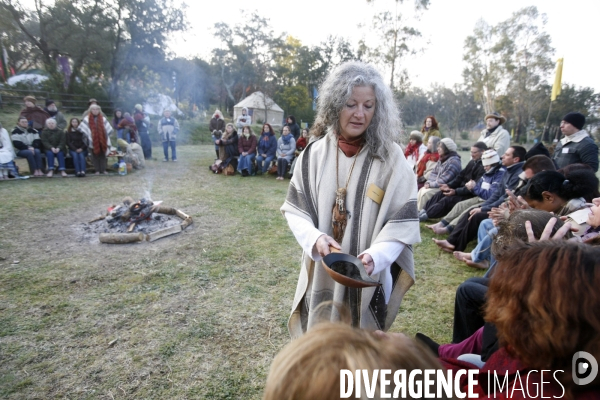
[[354, 166], [309, 368]]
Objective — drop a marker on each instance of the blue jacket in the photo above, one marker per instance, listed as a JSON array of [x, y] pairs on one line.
[[510, 180], [493, 178], [269, 148]]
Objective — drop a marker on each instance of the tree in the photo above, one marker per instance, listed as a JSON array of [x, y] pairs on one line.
[[142, 29], [396, 36], [105, 41], [483, 72], [526, 50]]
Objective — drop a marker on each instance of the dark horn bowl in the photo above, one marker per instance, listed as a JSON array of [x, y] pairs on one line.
[[365, 281]]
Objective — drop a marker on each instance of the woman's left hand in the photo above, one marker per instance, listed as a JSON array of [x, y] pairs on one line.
[[367, 261]]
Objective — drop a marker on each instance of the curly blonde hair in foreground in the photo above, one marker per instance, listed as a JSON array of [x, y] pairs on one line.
[[309, 367], [335, 91]]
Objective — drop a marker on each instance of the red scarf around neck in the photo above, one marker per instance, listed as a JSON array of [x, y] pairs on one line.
[[98, 133], [350, 147], [412, 150]]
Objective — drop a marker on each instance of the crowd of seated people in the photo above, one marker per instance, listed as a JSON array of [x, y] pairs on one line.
[[44, 137], [535, 308], [249, 154]]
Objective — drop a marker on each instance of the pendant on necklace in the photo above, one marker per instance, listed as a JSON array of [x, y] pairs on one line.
[[339, 215]]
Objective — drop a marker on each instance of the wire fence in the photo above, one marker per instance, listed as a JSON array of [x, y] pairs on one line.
[[66, 102]]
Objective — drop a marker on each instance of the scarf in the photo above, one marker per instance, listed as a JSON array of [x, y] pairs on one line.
[[490, 131], [412, 150], [98, 133], [447, 156], [52, 113], [246, 135], [286, 138], [350, 147], [423, 163]]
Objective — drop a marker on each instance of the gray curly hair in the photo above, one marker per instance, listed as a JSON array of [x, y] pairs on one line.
[[335, 91]]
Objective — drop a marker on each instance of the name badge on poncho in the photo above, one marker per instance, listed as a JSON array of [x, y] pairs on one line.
[[375, 193]]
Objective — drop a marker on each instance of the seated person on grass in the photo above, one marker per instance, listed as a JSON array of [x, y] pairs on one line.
[[267, 149], [55, 143], [446, 169], [247, 150], [534, 302], [27, 144], [77, 144], [466, 229], [454, 191]]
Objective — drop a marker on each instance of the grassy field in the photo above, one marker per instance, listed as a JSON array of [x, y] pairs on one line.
[[197, 315]]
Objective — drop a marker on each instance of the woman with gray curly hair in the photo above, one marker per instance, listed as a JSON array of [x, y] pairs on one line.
[[353, 190]]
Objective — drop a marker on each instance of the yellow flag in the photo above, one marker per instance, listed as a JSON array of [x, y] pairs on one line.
[[512, 133], [557, 80]]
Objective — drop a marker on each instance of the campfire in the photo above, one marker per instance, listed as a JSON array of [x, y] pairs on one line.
[[136, 221]]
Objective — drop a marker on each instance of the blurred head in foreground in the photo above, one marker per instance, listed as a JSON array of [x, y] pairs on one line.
[[309, 367]]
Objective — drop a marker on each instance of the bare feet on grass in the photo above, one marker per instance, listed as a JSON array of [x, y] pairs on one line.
[[461, 256], [438, 229], [485, 264], [444, 245]]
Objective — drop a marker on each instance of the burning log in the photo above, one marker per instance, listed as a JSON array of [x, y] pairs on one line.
[[121, 238]]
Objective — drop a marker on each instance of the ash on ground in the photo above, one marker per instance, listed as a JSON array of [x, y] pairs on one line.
[[119, 219], [89, 232]]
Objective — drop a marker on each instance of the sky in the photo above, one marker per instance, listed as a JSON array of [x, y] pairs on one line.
[[444, 26]]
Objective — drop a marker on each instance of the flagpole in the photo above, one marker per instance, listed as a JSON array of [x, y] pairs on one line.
[[556, 89], [546, 125]]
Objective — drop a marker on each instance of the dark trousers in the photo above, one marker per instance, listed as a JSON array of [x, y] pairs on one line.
[[172, 143], [440, 204], [466, 230], [146, 145], [282, 164], [468, 313], [99, 162]]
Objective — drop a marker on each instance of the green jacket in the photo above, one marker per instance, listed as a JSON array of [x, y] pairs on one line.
[[54, 138]]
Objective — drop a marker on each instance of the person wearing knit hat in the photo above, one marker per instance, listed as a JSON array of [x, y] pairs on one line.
[[495, 136], [455, 191], [449, 143], [415, 148], [446, 169], [52, 110], [576, 119], [35, 115], [490, 157], [576, 147]]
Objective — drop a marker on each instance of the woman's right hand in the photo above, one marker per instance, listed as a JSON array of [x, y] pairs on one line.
[[323, 243]]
